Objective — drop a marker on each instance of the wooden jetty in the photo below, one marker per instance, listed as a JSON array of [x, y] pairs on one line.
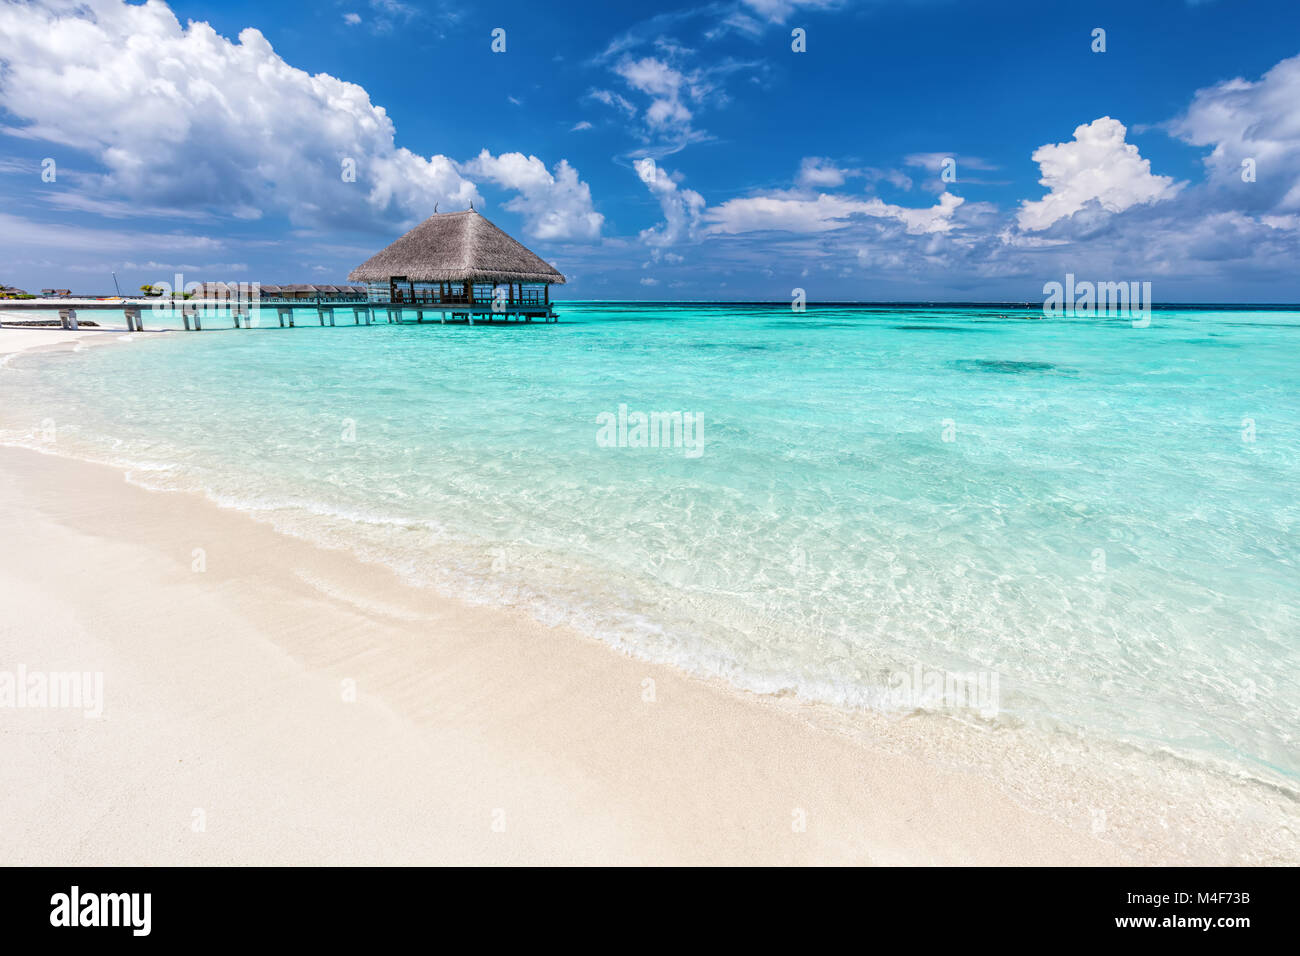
[[252, 313]]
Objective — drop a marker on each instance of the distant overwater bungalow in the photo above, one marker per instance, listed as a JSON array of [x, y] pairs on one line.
[[461, 260]]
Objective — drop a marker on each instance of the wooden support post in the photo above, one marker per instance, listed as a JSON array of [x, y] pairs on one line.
[[68, 318], [419, 316], [291, 318], [133, 323], [185, 317]]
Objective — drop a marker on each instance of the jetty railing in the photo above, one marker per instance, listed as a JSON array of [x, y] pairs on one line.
[[434, 297], [245, 314]]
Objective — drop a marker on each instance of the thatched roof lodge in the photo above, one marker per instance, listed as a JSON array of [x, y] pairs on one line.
[[457, 258]]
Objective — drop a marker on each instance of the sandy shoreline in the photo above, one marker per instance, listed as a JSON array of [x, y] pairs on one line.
[[476, 735], [14, 338], [224, 692]]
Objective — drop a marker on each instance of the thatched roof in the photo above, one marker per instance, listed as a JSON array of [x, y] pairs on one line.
[[455, 247]]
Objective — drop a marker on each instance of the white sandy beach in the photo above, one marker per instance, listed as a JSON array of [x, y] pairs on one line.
[[15, 338], [477, 735]]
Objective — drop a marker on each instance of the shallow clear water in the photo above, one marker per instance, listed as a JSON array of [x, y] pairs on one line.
[[1105, 517]]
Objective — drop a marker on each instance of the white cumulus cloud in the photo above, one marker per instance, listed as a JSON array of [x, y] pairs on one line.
[[664, 86], [180, 116], [825, 213], [818, 172], [1257, 121], [681, 207], [555, 205], [1098, 165]]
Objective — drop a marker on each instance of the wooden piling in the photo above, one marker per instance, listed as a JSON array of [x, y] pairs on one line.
[[68, 319]]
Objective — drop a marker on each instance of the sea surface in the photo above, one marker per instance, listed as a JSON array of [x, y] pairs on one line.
[[1106, 519]]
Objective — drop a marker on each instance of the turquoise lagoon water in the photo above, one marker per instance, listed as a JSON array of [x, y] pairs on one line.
[[1105, 517]]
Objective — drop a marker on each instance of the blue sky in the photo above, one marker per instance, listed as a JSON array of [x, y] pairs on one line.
[[675, 151]]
